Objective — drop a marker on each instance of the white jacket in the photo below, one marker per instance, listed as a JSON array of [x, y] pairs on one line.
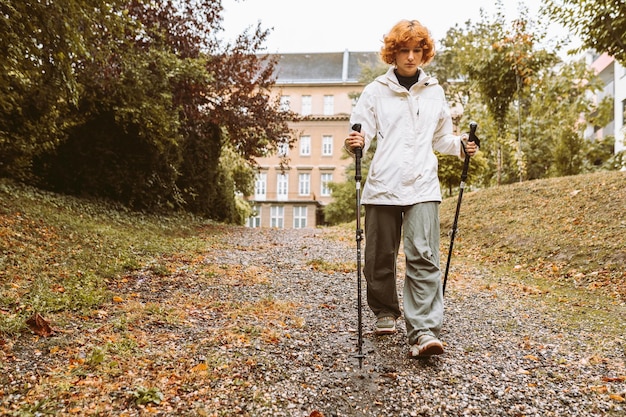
[[408, 126]]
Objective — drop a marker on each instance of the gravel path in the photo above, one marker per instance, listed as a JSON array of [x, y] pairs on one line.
[[264, 324], [506, 354]]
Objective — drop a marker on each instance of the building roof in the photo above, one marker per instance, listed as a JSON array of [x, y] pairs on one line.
[[323, 68]]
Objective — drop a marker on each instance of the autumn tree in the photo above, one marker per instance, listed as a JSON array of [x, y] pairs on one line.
[[497, 61], [137, 101], [527, 101], [600, 24]]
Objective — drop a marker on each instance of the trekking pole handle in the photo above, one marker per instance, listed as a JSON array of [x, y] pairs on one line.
[[472, 133], [358, 153], [357, 128], [471, 138]]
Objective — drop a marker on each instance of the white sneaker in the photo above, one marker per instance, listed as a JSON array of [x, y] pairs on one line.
[[427, 345], [385, 325]]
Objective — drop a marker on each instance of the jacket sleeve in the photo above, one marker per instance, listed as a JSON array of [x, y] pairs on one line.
[[444, 141]]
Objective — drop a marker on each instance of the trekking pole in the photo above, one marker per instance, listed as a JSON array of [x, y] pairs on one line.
[[358, 153], [472, 138]]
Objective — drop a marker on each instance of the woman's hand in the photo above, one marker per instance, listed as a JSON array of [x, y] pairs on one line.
[[354, 140], [470, 147]]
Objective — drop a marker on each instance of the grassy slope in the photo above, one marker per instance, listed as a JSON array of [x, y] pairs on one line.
[[571, 229], [60, 253]]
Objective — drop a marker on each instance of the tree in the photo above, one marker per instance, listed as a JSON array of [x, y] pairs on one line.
[[135, 100], [600, 24], [41, 44], [516, 89], [343, 207], [502, 63], [556, 149]]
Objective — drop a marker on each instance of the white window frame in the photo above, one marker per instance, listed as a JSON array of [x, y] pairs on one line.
[[307, 105], [327, 145], [326, 178], [282, 187], [277, 217], [283, 149], [260, 186], [254, 221], [285, 103], [354, 101], [329, 105], [299, 217], [305, 145], [304, 183]]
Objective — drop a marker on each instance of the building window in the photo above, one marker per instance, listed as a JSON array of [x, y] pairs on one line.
[[277, 217], [329, 105], [282, 187], [299, 217], [304, 184], [285, 103], [327, 145], [327, 178], [306, 105], [305, 145], [283, 149], [260, 186], [255, 218]]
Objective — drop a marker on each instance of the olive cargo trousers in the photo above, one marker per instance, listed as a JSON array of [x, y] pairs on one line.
[[422, 292]]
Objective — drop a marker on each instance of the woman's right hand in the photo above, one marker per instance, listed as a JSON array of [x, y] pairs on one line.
[[355, 140]]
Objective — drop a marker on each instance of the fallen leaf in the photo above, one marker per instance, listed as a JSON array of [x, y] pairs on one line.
[[614, 379], [200, 367], [316, 413], [616, 397], [39, 325], [601, 389]]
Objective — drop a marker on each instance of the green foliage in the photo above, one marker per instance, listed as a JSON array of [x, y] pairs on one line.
[[600, 24], [134, 101], [450, 169], [527, 103], [144, 395], [42, 42], [343, 207]]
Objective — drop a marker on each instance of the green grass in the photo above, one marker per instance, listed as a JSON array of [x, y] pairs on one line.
[[59, 253], [561, 241]]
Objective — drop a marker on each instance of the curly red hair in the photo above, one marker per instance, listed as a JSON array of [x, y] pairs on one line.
[[403, 32]]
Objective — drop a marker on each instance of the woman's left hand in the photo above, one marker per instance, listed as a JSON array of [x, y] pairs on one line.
[[470, 147]]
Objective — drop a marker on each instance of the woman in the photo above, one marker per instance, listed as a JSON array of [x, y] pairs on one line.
[[406, 111]]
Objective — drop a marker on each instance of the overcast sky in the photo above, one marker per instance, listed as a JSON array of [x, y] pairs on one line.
[[356, 25]]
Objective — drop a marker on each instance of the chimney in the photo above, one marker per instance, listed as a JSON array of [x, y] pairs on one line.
[[346, 59]]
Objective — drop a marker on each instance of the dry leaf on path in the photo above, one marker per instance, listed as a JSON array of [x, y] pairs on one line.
[[39, 325]]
